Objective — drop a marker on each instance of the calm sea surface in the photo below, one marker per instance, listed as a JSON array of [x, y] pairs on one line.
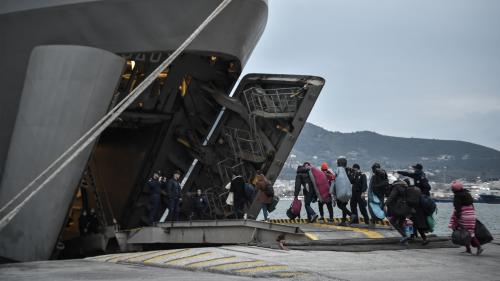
[[488, 214]]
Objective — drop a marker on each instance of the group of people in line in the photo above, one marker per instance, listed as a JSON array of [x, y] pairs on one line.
[[242, 196], [343, 178], [402, 202]]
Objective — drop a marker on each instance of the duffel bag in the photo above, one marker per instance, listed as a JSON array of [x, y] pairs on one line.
[[296, 206], [460, 236], [483, 235], [290, 214]]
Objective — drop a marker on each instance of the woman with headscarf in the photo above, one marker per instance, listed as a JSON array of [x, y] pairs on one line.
[[464, 215]]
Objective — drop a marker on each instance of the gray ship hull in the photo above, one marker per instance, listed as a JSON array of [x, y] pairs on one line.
[[185, 120], [119, 27]]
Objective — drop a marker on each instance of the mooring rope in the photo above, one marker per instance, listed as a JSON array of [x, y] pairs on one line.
[[74, 150]]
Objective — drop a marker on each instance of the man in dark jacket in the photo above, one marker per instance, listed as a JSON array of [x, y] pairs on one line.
[[379, 182], [302, 179], [238, 190], [93, 222], [398, 211], [419, 178], [199, 205], [379, 185], [155, 188], [83, 223], [174, 196], [359, 187]]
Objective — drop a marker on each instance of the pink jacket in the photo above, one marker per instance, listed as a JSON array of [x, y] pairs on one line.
[[467, 219]]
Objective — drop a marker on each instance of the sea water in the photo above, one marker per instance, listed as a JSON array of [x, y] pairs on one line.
[[488, 214]]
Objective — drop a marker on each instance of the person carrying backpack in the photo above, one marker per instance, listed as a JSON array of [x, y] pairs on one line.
[[359, 187], [341, 189], [419, 217], [265, 195], [398, 209], [379, 185], [302, 179]]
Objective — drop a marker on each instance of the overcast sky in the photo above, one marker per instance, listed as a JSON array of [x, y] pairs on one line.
[[420, 68]]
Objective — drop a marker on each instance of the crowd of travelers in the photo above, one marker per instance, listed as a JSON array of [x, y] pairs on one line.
[[407, 204], [241, 195]]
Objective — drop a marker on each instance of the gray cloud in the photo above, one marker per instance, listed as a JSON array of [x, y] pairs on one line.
[[405, 68]]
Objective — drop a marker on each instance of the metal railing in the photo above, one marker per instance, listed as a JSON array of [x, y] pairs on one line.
[[226, 168], [278, 100], [244, 144]]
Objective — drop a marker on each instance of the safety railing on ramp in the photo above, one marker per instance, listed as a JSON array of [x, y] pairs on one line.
[[273, 103]]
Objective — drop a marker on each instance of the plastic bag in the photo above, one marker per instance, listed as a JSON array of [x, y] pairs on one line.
[[431, 223], [483, 235], [230, 199]]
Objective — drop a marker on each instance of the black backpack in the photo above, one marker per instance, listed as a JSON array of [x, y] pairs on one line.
[[413, 196], [428, 205]]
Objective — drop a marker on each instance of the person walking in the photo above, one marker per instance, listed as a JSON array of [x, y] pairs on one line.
[[398, 210], [342, 189], [266, 193], [419, 216], [237, 187], [174, 196], [464, 215], [379, 185], [303, 181], [330, 176], [359, 187]]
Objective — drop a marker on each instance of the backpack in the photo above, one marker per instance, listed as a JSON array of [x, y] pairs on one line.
[[413, 196], [428, 205], [401, 208]]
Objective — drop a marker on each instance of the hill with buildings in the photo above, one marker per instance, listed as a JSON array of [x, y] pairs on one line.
[[443, 160]]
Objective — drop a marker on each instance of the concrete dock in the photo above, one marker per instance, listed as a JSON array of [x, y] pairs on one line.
[[314, 251], [256, 263]]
